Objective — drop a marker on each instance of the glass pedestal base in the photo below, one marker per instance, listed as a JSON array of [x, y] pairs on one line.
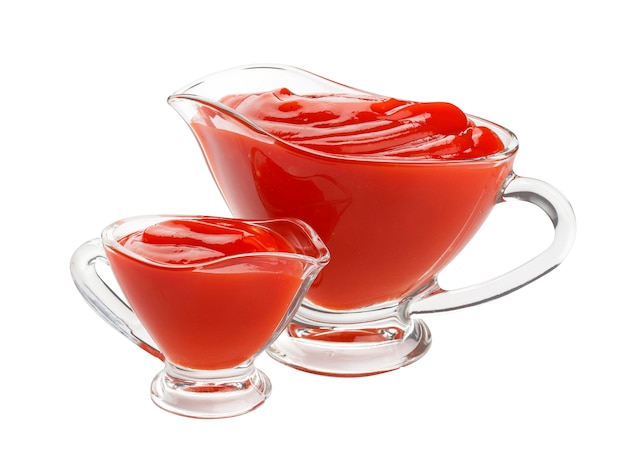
[[352, 349], [210, 394]]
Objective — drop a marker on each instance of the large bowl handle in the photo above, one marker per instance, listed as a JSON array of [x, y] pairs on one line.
[[560, 212]]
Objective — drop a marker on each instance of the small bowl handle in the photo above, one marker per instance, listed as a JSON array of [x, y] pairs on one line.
[[104, 300]]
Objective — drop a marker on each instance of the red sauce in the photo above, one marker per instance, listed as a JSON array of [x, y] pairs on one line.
[[395, 189], [345, 124], [188, 241], [205, 312]]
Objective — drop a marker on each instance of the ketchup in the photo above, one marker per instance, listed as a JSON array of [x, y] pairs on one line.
[[190, 241], [346, 124], [204, 311], [395, 189]]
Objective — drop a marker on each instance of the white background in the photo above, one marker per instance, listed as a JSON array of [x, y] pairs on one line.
[[86, 137]]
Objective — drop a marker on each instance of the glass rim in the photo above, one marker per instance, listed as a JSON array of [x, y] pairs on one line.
[[122, 227], [196, 91]]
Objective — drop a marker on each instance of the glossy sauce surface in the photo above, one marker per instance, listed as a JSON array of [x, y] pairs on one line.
[[346, 124], [189, 241]]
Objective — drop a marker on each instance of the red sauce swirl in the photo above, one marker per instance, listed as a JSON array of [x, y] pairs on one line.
[[346, 124], [189, 241]]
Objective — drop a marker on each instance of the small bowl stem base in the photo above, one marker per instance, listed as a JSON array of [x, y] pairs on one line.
[[210, 394]]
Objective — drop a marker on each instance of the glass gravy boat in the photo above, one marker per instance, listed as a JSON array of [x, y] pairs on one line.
[[207, 319], [391, 225]]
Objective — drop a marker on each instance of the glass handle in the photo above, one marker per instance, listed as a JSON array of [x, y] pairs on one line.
[[104, 300], [560, 212]]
